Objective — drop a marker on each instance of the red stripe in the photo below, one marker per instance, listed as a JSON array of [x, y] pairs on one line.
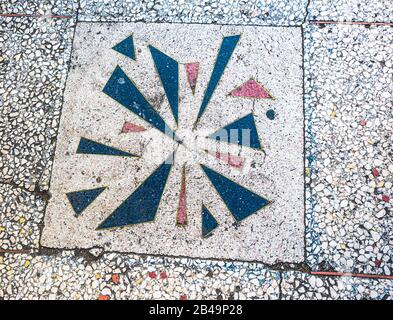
[[355, 275]]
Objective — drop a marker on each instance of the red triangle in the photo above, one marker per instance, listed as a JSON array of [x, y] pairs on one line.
[[131, 127], [181, 219], [251, 89], [192, 70], [232, 160]]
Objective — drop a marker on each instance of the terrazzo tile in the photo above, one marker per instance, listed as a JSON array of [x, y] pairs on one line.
[[39, 7], [301, 286], [351, 10], [21, 214], [257, 218], [33, 69], [267, 12], [348, 129], [118, 277], [348, 141]]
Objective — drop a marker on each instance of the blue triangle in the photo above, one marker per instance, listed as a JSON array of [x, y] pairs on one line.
[[120, 88], [142, 205], [228, 45], [168, 70], [209, 223], [241, 132], [80, 200], [240, 201], [126, 47], [87, 146]]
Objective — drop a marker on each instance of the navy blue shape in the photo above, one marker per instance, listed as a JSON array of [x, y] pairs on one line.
[[142, 205], [87, 146], [240, 201], [120, 88], [168, 70], [80, 200], [271, 114], [233, 133], [228, 45], [209, 223], [126, 47]]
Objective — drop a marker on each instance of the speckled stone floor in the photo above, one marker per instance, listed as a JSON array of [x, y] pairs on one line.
[[301, 209]]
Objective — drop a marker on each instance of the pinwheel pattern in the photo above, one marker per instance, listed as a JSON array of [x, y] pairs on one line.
[[143, 203]]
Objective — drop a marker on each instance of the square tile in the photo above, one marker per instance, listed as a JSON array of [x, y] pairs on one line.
[[131, 88]]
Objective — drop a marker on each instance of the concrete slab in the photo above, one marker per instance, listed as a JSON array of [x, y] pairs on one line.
[[247, 228]]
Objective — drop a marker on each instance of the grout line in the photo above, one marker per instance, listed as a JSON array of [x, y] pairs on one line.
[[15, 251], [351, 23], [352, 275], [34, 16], [307, 12], [304, 144], [280, 285]]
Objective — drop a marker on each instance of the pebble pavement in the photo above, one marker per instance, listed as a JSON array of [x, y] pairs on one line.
[[40, 7], [34, 69], [349, 93], [351, 10], [21, 214], [116, 276], [301, 286], [349, 169], [268, 12]]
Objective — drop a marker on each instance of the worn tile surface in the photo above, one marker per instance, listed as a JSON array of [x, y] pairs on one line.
[[121, 277], [39, 7], [277, 12], [351, 10], [21, 214], [301, 286], [349, 92], [348, 128], [33, 72], [270, 55]]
